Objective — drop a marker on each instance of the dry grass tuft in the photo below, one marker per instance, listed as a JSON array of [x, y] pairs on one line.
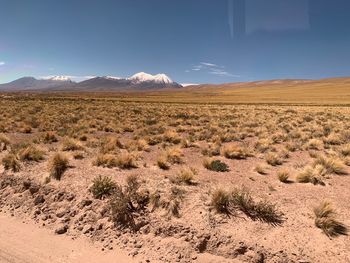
[[312, 174], [186, 176], [273, 159], [283, 176], [10, 162], [333, 165], [220, 200], [70, 144], [31, 153], [50, 137], [4, 143], [261, 169], [170, 156], [58, 164], [262, 210], [235, 152], [105, 160], [325, 219]]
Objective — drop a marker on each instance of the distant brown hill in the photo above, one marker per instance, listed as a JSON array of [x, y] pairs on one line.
[[323, 91]]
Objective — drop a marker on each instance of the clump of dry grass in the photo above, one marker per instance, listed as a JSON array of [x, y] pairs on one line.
[[128, 201], [215, 165], [58, 164], [262, 145], [102, 187], [170, 203], [172, 137], [4, 142], [142, 145], [332, 164], [273, 159], [262, 210], [174, 155], [283, 176], [333, 139], [345, 150], [241, 199], [236, 152], [163, 163], [220, 200], [70, 144], [261, 169], [31, 153], [185, 176], [312, 174], [211, 150], [50, 137], [170, 156], [26, 129], [314, 144], [326, 220], [111, 145], [10, 162], [105, 160], [124, 160]]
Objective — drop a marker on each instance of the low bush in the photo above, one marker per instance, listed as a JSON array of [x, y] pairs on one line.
[[102, 187], [215, 165]]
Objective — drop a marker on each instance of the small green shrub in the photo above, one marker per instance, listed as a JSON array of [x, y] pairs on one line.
[[215, 165], [102, 187]]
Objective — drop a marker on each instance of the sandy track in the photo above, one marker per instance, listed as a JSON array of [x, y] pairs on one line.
[[27, 243]]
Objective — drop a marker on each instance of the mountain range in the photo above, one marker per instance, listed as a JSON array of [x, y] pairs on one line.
[[138, 82]]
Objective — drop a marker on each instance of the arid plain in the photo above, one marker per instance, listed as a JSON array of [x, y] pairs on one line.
[[235, 174]]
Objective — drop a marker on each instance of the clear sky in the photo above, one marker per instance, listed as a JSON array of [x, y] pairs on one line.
[[192, 41]]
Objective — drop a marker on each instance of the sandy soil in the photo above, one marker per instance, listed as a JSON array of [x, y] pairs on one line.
[[198, 234], [25, 242]]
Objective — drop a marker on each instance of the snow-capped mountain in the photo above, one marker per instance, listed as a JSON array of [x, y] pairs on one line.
[[111, 77], [139, 81], [30, 83], [58, 78], [144, 77]]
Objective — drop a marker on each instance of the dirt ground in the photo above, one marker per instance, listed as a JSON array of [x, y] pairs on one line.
[[64, 222]]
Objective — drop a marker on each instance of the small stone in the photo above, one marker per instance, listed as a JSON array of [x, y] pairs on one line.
[[60, 213], [87, 229], [61, 229], [39, 200], [86, 202], [33, 189]]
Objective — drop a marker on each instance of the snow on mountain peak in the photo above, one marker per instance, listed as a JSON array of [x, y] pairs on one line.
[[58, 78], [145, 77], [111, 77]]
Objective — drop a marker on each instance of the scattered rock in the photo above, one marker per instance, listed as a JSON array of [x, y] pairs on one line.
[[34, 189], [61, 229], [86, 202], [87, 229], [61, 212], [39, 200]]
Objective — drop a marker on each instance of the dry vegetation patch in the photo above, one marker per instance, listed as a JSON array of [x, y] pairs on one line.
[[181, 154]]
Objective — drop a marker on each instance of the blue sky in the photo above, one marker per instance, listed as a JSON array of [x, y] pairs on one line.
[[192, 41]]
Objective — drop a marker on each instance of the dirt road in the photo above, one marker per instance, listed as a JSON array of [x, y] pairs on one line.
[[28, 243]]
